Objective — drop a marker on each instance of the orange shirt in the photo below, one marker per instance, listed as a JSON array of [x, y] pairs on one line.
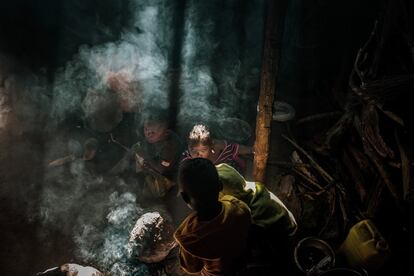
[[215, 247]]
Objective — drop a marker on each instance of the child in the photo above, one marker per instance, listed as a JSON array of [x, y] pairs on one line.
[[212, 239], [155, 157], [160, 150], [267, 209], [273, 225], [200, 144]]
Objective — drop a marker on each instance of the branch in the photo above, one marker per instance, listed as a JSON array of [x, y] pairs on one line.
[[324, 174]]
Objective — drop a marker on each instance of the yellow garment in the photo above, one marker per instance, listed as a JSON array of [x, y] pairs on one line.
[[215, 247], [157, 186], [267, 209]]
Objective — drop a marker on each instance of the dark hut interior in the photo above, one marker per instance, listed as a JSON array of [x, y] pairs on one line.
[[318, 89]]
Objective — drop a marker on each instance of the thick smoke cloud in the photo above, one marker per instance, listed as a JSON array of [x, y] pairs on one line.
[[218, 80], [108, 246], [220, 60], [141, 56]]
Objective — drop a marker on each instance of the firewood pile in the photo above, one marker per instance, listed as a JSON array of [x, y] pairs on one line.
[[364, 160], [365, 155]]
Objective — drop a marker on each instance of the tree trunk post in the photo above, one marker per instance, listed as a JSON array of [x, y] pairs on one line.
[[270, 64]]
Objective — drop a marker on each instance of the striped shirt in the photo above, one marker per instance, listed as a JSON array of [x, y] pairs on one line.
[[229, 155]]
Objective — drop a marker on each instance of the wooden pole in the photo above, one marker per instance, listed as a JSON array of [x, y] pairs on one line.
[[270, 62]]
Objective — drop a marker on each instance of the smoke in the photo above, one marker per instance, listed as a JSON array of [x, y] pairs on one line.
[[221, 60], [218, 79], [140, 57], [108, 246], [97, 212]]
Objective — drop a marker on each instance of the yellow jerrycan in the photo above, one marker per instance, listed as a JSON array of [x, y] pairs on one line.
[[364, 247]]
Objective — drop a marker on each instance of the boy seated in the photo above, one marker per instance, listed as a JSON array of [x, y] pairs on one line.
[[155, 156], [212, 239]]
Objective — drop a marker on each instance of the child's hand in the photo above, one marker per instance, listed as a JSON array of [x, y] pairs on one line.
[[139, 159], [146, 165], [139, 163]]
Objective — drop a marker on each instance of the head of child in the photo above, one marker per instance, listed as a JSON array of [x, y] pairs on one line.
[[155, 126], [200, 186], [200, 144]]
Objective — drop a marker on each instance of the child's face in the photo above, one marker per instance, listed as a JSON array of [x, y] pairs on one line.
[[154, 131], [200, 151]]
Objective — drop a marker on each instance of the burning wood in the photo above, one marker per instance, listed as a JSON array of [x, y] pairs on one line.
[[61, 161], [151, 239], [78, 270], [71, 270], [86, 153]]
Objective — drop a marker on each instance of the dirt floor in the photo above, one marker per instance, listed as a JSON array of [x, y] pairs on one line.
[[27, 246]]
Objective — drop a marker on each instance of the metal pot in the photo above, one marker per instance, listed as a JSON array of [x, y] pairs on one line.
[[313, 255]]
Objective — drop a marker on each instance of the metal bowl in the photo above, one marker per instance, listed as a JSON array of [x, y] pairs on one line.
[[312, 254]]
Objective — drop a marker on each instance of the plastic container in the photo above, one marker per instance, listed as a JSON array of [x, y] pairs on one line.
[[365, 247], [313, 255]]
